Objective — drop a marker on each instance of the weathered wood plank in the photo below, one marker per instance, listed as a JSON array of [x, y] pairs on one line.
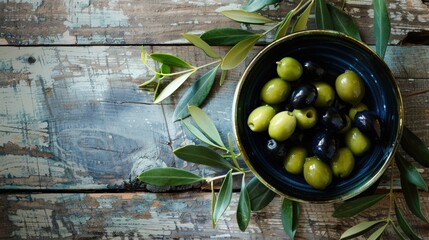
[[154, 22], [74, 118], [169, 216]]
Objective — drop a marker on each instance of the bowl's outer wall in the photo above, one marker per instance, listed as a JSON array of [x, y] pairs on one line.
[[338, 53]]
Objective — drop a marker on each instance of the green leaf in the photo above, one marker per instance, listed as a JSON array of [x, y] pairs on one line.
[[238, 53], [323, 17], [404, 224], [255, 5], [164, 69], [290, 216], [206, 124], [172, 86], [301, 21], [226, 36], [168, 177], [410, 172], [243, 207], [170, 60], [381, 27], [398, 233], [343, 22], [246, 17], [197, 133], [375, 235], [199, 43], [223, 76], [195, 95], [360, 229], [213, 197], [260, 196], [355, 206], [412, 198], [415, 147], [284, 26], [143, 56], [223, 198], [201, 155]]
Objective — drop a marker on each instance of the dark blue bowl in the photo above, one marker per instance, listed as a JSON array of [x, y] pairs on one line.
[[338, 52]]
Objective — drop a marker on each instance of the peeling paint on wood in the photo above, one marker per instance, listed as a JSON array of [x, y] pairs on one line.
[[154, 22], [173, 216]]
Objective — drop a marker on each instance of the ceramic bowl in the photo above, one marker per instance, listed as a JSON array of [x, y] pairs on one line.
[[338, 53]]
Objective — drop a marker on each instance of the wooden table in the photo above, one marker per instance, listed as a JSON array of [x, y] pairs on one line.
[[75, 129]]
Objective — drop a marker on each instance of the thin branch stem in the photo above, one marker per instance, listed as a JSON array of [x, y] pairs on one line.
[[211, 179]]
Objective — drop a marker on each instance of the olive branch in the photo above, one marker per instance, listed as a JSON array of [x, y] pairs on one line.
[[254, 195]]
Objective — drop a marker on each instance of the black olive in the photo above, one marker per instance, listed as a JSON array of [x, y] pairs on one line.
[[313, 70], [324, 145], [303, 96], [368, 123], [332, 119], [276, 149]]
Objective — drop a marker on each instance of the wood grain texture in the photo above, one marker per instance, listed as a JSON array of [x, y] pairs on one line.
[[169, 216], [73, 22], [74, 118]]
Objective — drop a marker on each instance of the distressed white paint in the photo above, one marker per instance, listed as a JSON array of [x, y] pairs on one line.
[[83, 13], [34, 3]]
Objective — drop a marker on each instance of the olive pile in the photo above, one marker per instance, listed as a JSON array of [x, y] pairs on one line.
[[316, 125]]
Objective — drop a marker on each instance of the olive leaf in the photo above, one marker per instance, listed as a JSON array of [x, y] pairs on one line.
[[290, 216], [415, 147], [377, 233], [223, 76], [404, 224], [223, 199], [260, 196], [323, 17], [167, 176], [164, 69], [360, 229], [226, 36], [410, 173], [201, 155], [173, 86], [239, 52], [205, 124], [231, 151], [381, 27], [343, 22], [355, 206], [143, 56], [246, 17], [284, 25], [301, 21], [199, 43], [412, 197], [243, 207], [398, 233], [170, 60], [198, 134], [255, 5], [195, 94]]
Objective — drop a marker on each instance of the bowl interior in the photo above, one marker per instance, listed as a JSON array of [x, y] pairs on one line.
[[337, 52]]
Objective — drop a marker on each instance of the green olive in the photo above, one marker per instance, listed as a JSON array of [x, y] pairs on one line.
[[317, 173], [350, 87], [357, 108], [305, 118], [325, 94], [357, 142], [294, 160], [343, 163], [260, 118], [289, 69], [275, 91], [282, 126]]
